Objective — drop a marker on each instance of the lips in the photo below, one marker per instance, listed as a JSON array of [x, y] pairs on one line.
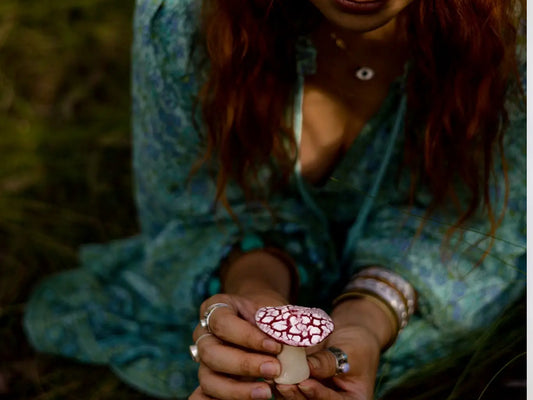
[[360, 6]]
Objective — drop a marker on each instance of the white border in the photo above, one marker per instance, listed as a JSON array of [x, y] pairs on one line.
[[529, 148]]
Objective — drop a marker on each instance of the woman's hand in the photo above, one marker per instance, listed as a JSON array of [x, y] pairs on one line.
[[363, 352], [361, 331], [237, 353]]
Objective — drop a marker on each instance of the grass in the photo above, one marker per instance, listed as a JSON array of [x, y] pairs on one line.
[[65, 179]]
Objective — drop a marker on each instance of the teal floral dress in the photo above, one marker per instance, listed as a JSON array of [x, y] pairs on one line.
[[133, 303]]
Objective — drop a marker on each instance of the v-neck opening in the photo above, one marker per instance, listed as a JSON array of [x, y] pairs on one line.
[[339, 169]]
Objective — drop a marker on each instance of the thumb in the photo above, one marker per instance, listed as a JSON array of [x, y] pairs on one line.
[[322, 364]]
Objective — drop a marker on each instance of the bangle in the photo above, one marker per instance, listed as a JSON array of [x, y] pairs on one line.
[[386, 293], [394, 280], [389, 312], [393, 294]]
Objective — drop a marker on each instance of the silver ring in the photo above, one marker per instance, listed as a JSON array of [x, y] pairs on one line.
[[341, 360], [202, 336], [193, 348], [204, 322]]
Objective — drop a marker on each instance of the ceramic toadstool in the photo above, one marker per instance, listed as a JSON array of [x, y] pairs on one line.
[[296, 328]]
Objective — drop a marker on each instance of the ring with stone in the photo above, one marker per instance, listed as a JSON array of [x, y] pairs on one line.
[[204, 322], [341, 360], [193, 348]]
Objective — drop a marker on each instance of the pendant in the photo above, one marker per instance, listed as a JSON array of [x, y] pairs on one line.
[[364, 73]]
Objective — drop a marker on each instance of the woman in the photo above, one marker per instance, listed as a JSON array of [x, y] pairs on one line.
[[282, 148]]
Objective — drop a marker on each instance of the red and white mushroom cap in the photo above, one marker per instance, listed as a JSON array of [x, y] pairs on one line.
[[295, 325]]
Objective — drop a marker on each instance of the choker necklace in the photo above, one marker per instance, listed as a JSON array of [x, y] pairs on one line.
[[361, 72]]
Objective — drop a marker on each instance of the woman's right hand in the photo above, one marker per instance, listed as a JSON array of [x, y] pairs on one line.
[[237, 353]]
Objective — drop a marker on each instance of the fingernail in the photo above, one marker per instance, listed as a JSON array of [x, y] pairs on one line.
[[269, 370], [261, 393], [270, 345], [308, 391]]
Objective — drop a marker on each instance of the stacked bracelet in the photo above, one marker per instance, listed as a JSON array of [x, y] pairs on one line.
[[394, 280], [393, 294]]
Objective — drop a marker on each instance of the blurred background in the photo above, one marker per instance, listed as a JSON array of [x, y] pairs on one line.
[[65, 175], [65, 179]]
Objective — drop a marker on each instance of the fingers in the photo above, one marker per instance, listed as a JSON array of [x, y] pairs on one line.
[[226, 324], [239, 305], [290, 392], [230, 360], [225, 388], [314, 390], [198, 394], [233, 329], [361, 349], [344, 390], [322, 364], [235, 353]]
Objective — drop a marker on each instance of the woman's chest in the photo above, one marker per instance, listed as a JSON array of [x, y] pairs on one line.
[[331, 123]]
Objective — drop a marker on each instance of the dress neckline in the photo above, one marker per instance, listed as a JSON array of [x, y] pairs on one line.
[[306, 55], [342, 167]]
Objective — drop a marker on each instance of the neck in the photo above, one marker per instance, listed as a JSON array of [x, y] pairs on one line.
[[390, 35], [383, 50]]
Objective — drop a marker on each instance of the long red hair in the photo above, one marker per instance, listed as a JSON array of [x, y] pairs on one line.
[[463, 60]]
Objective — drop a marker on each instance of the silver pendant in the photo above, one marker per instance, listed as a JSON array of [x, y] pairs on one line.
[[364, 73]]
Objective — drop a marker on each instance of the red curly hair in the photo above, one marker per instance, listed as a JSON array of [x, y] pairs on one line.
[[463, 59]]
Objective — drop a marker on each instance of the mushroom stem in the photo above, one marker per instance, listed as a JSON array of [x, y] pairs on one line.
[[294, 367]]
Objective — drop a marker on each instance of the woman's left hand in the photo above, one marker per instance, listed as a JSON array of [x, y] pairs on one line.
[[363, 351]]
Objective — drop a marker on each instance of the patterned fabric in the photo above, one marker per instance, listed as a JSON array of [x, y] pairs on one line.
[[133, 303]]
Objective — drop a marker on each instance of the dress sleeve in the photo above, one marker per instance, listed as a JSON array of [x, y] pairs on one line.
[[456, 292], [184, 229], [133, 303]]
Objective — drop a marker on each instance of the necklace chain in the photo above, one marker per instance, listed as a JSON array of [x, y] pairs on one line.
[[363, 73]]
